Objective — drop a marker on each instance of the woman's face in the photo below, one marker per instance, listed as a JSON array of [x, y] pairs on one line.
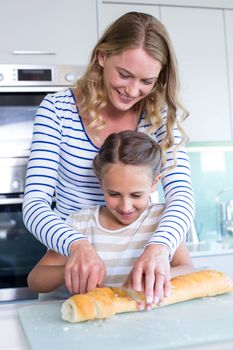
[[129, 77]]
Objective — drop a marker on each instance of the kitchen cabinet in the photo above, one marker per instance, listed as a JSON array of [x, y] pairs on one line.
[[187, 3], [109, 12], [62, 32], [199, 37], [229, 41], [199, 40]]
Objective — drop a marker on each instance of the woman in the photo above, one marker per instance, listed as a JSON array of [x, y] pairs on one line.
[[131, 83]]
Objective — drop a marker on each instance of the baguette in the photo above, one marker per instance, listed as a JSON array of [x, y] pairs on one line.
[[105, 302]]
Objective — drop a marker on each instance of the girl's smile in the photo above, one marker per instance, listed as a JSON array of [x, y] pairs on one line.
[[126, 191]]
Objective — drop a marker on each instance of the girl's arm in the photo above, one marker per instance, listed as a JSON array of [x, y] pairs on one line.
[[181, 262], [48, 274]]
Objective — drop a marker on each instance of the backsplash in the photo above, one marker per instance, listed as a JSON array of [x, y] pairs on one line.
[[212, 176]]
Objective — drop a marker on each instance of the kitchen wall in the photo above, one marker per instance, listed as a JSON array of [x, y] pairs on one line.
[[212, 175]]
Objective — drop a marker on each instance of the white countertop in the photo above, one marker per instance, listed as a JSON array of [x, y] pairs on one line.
[[210, 248], [13, 338], [12, 335]]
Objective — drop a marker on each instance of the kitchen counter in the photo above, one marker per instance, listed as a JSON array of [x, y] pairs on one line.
[[208, 248], [12, 334], [213, 255], [13, 338]]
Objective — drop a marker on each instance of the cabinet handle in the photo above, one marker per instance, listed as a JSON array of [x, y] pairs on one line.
[[28, 52], [8, 201], [17, 200]]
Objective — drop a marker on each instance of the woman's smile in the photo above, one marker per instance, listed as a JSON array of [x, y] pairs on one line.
[[129, 77], [125, 98]]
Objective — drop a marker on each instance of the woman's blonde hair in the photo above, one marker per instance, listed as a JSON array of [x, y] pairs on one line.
[[135, 30]]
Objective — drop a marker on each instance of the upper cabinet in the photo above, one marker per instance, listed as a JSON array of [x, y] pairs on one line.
[[53, 32], [44, 32], [202, 38], [199, 40], [109, 12], [229, 41]]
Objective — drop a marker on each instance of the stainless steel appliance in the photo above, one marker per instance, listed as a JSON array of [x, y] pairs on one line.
[[22, 88], [225, 214]]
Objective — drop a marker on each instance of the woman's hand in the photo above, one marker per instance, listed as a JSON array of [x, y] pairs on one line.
[[84, 269], [151, 274]]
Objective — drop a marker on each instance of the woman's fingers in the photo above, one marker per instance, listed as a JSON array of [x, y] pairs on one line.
[[96, 277], [149, 285], [72, 276], [159, 291], [136, 278], [167, 285], [68, 280], [85, 273], [84, 269], [151, 274]]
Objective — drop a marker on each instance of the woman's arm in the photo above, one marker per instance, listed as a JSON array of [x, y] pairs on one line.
[[179, 199], [48, 274], [41, 178], [181, 262], [173, 226], [84, 268]]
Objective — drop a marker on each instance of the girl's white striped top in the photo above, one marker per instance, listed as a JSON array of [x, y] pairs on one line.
[[117, 248], [60, 164]]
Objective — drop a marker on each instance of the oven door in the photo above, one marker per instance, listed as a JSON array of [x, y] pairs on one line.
[[19, 251], [17, 113]]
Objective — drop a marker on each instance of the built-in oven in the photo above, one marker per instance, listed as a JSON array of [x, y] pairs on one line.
[[22, 88], [19, 251]]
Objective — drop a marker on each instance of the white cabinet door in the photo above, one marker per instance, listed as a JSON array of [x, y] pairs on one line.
[[229, 41], [109, 12], [64, 31], [198, 37]]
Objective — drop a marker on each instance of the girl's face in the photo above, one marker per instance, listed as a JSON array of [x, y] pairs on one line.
[[127, 191], [129, 77]]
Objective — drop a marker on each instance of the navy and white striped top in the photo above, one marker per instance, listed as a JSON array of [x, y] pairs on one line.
[[61, 162]]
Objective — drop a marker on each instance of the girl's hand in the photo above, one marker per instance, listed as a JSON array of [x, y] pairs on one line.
[[151, 274], [84, 269]]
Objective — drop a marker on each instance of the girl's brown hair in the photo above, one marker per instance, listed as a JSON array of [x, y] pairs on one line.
[[136, 30], [129, 148]]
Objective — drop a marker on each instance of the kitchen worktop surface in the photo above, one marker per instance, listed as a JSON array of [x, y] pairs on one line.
[[12, 333], [208, 248], [14, 338]]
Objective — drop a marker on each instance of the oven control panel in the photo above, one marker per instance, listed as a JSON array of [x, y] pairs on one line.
[[38, 75], [12, 176]]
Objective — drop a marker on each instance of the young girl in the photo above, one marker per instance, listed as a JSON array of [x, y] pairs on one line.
[[131, 83], [128, 167]]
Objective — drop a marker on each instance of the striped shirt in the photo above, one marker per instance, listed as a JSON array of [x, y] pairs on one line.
[[60, 163], [117, 248]]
